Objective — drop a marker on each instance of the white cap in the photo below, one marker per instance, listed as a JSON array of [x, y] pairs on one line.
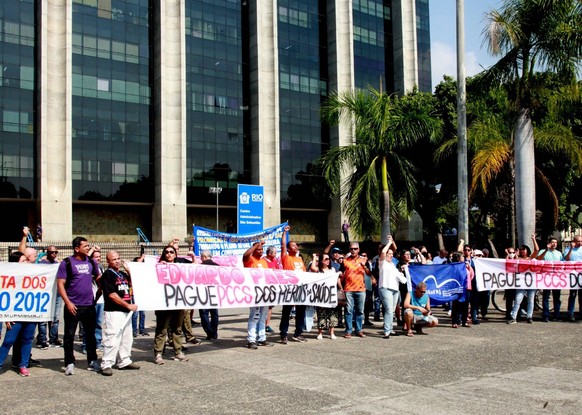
[[477, 252]]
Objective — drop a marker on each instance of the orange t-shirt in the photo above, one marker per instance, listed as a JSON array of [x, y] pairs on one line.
[[354, 274], [293, 263], [253, 262]]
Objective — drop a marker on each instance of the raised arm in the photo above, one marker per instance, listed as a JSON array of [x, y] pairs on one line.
[[250, 251], [535, 246], [284, 241], [327, 249]]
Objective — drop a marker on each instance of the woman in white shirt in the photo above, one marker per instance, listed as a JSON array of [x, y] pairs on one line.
[[388, 283]]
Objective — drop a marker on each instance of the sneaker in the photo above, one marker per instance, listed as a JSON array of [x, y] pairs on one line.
[[572, 319], [70, 370], [159, 360], [43, 346], [284, 340], [512, 321], [546, 320], [299, 339], [181, 357], [529, 321], [56, 343], [131, 366], [94, 366], [333, 337], [194, 341], [476, 322], [252, 345], [144, 333], [347, 336], [268, 329], [33, 362], [265, 343], [134, 335], [386, 336], [107, 372], [320, 337], [24, 372], [361, 334]]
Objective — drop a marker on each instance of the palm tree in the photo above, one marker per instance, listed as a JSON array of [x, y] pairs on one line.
[[374, 167], [528, 35]]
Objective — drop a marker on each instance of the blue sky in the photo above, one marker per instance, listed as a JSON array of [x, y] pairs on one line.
[[443, 37]]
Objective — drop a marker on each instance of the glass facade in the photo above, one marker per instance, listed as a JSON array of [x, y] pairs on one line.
[[423, 45], [111, 79], [17, 99], [302, 87], [214, 101], [373, 61]]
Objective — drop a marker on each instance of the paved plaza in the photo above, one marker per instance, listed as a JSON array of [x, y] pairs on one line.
[[493, 368]]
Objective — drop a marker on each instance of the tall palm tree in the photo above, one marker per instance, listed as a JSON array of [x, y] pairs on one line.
[[374, 167], [529, 35]]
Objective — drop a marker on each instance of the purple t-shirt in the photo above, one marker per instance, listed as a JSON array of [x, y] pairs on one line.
[[80, 289]]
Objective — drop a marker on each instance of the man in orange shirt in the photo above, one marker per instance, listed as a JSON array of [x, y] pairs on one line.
[[354, 269], [256, 334], [291, 260]]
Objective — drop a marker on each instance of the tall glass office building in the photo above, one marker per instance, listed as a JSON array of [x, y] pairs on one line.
[[119, 114]]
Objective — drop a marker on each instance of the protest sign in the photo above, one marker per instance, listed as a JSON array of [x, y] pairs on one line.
[[225, 244], [180, 286], [444, 283], [27, 291], [511, 274]]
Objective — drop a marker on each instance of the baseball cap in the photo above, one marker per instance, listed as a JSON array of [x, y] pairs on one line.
[[336, 250], [477, 252]]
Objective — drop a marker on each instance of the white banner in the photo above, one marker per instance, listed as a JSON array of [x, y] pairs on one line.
[[181, 286], [511, 274], [27, 291]]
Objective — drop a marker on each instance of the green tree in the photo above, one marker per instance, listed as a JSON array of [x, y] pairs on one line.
[[373, 170], [529, 35]]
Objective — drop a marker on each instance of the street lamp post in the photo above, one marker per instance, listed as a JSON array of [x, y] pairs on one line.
[[215, 190]]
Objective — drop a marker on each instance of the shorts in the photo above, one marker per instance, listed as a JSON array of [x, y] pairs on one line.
[[422, 320]]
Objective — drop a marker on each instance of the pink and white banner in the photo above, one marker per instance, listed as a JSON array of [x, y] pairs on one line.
[[180, 286], [511, 274], [27, 291]]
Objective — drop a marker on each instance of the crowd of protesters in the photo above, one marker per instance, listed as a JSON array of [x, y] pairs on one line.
[[101, 300]]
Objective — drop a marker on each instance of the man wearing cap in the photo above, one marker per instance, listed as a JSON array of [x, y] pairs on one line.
[[335, 252]]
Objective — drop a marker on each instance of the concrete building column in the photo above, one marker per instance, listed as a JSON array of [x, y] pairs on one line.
[[264, 90], [405, 45], [169, 100], [54, 119], [340, 34]]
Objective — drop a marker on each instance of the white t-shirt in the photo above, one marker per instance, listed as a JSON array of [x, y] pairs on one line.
[[389, 276]]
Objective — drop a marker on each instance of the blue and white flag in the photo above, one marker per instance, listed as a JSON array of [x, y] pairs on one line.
[[444, 283]]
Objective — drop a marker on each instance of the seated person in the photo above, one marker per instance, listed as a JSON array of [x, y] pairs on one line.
[[417, 310]]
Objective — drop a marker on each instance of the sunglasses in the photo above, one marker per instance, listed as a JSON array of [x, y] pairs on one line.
[[52, 252], [170, 252]]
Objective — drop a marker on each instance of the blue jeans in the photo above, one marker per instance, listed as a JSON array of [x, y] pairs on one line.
[[572, 302], [41, 336], [209, 321], [546, 303], [54, 325], [27, 329], [389, 301], [517, 302], [377, 303], [355, 307], [256, 324], [134, 322]]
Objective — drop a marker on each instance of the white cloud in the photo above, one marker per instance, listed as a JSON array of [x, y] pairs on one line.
[[444, 62]]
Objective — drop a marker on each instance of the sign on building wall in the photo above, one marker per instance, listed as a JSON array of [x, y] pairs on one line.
[[250, 208]]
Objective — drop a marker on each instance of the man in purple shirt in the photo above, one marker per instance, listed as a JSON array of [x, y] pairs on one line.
[[74, 282]]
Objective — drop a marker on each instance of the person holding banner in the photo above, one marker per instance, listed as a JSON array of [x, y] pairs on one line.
[[209, 317], [551, 254], [389, 279], [460, 309], [326, 317], [291, 260], [524, 254], [172, 319], [118, 308], [256, 334], [26, 331], [417, 311], [574, 253]]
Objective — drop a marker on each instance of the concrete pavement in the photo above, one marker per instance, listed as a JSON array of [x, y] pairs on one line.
[[491, 368]]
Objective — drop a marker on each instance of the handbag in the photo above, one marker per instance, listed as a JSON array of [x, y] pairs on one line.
[[341, 298]]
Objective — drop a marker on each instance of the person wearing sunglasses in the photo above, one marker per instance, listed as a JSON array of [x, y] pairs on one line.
[[417, 313], [169, 319], [354, 269], [51, 258]]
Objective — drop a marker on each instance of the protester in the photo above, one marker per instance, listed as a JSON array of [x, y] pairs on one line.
[[169, 319], [209, 317], [118, 307], [138, 317], [74, 279], [551, 254], [353, 270], [417, 313], [388, 286], [574, 253], [460, 309]]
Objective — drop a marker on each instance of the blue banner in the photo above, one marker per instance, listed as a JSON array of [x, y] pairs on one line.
[[250, 208], [223, 244], [444, 283]]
